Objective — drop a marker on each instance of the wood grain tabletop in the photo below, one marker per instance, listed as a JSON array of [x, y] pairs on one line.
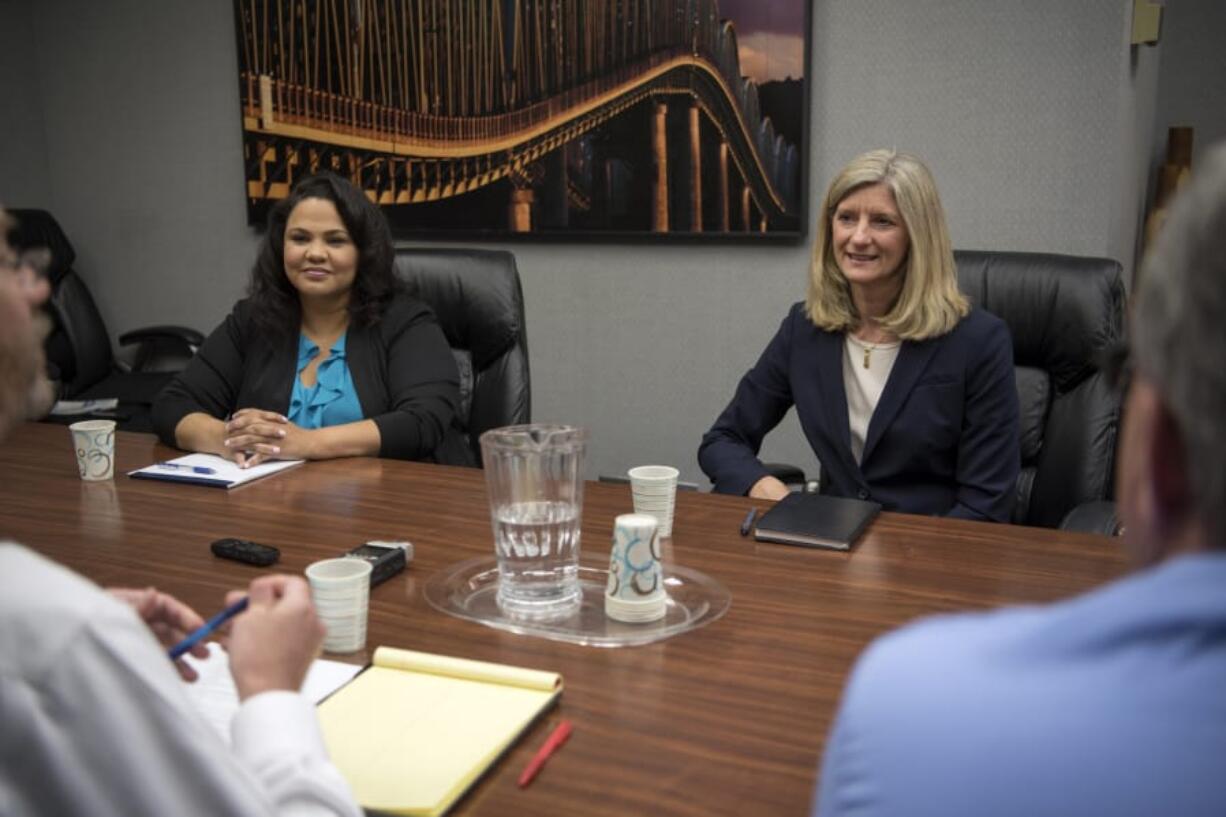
[[727, 719]]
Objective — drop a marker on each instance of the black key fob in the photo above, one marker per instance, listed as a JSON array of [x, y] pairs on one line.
[[240, 550]]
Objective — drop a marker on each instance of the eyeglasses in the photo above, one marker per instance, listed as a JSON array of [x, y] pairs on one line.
[[36, 259]]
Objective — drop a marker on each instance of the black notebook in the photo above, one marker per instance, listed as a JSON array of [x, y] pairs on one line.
[[816, 521]]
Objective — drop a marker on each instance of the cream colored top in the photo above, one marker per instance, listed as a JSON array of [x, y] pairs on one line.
[[866, 368]]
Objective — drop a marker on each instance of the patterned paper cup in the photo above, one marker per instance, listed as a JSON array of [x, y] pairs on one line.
[[94, 443], [635, 589]]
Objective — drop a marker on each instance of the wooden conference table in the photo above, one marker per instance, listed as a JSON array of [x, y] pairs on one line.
[[728, 719]]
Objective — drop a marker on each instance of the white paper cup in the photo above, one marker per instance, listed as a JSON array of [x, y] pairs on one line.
[[635, 591], [645, 475], [656, 509], [94, 443], [654, 490], [635, 612], [341, 591]]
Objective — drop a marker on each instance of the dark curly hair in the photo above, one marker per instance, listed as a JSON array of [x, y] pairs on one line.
[[276, 302]]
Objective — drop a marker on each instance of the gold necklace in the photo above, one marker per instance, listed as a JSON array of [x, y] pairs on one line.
[[868, 348]]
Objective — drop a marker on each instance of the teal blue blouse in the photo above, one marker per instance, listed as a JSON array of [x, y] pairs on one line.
[[332, 401]]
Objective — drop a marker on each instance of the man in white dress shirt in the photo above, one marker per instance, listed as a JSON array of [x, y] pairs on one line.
[[93, 717]]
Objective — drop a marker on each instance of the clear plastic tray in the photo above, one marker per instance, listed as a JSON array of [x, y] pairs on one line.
[[468, 590]]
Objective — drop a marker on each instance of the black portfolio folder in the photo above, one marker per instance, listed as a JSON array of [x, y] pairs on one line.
[[816, 520]]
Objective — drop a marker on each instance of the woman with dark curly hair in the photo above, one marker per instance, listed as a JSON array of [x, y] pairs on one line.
[[326, 357]]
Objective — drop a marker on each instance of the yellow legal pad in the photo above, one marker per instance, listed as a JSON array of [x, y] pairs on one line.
[[415, 730]]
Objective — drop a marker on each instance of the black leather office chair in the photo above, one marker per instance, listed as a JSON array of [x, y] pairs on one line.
[[79, 355], [1063, 312], [477, 297]]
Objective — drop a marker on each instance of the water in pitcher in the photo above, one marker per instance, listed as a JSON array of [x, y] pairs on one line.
[[538, 546], [534, 477]]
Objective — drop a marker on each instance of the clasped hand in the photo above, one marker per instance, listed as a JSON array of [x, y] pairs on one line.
[[254, 435]]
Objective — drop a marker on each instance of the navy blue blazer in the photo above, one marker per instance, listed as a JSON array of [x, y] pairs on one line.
[[943, 439]]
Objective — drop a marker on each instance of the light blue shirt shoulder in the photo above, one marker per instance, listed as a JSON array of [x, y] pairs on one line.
[[332, 401], [1110, 703]]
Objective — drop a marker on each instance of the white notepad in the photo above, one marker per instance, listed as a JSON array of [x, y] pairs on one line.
[[210, 469], [216, 698], [69, 408]]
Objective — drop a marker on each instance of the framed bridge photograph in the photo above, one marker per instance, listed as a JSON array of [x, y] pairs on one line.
[[546, 119]]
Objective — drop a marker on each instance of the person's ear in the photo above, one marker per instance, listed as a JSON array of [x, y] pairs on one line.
[[1170, 482]]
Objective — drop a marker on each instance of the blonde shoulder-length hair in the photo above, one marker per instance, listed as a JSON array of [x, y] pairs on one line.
[[930, 303]]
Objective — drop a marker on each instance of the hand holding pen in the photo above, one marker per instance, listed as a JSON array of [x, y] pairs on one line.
[[273, 644], [207, 629], [273, 640], [169, 619]]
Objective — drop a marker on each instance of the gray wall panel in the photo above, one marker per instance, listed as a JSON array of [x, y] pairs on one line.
[[24, 176], [1017, 107], [1192, 85], [143, 136]]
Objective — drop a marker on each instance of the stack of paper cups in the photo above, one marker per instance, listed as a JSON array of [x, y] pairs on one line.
[[654, 488], [635, 590]]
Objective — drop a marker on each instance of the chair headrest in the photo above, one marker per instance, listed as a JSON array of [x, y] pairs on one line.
[[1062, 310], [475, 294], [38, 228]]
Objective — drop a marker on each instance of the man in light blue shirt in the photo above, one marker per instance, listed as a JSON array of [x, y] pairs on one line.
[[1113, 703]]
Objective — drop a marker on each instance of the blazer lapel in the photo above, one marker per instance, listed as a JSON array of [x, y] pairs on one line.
[[834, 396], [908, 366], [363, 368]]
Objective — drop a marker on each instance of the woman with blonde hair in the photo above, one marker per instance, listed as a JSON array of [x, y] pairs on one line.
[[905, 392]]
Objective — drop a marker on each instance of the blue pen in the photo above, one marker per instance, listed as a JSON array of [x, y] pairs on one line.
[[195, 469], [747, 525], [209, 626]]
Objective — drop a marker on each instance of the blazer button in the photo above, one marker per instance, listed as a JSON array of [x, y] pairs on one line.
[[863, 494]]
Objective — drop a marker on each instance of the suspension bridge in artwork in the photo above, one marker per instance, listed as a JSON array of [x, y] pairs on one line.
[[426, 100]]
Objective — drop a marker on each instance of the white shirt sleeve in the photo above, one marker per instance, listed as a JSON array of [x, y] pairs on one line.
[[96, 721], [276, 737]]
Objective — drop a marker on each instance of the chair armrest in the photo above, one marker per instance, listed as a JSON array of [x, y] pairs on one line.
[[1092, 517], [157, 333], [160, 348], [793, 477], [785, 473]]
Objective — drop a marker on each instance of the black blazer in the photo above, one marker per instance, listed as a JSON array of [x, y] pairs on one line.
[[403, 372], [942, 440]]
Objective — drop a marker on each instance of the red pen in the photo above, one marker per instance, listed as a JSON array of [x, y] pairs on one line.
[[554, 742]]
